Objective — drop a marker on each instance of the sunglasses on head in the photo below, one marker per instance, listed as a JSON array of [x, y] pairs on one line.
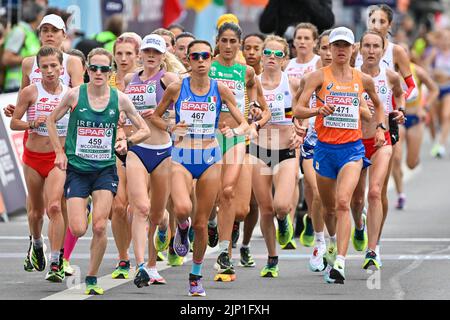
[[196, 55], [277, 53], [103, 69]]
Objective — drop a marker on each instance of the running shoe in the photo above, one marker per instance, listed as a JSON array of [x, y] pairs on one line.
[[291, 245], [285, 231], [336, 274], [155, 277], [161, 239], [438, 151], [181, 241], [213, 236], [331, 254], [400, 202], [359, 237], [371, 261], [225, 269], [307, 235], [142, 277], [56, 273], [92, 288], [270, 271], [27, 265], [195, 286], [160, 256], [235, 234], [122, 270], [317, 261], [173, 259], [246, 258], [38, 258], [68, 270]]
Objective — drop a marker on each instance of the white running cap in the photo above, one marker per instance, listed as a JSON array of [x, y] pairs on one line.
[[342, 33], [54, 20], [154, 41]]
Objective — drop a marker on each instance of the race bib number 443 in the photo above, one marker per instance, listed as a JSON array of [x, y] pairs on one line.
[[346, 112], [94, 143]]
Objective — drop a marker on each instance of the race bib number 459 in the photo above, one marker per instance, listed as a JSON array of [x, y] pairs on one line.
[[94, 143], [346, 112]]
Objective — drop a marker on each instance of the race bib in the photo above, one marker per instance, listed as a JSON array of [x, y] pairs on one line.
[[94, 143], [346, 113], [199, 116], [143, 97], [238, 90], [276, 104], [45, 109]]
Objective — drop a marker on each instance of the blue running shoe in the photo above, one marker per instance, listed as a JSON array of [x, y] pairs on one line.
[[142, 278], [195, 286]]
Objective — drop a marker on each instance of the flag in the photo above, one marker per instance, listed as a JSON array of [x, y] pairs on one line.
[[172, 10]]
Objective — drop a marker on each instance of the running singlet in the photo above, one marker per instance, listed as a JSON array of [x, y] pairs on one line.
[[92, 133], [344, 125], [36, 75], [200, 113], [442, 63], [234, 78], [298, 70], [44, 106], [146, 94], [387, 59], [279, 101], [382, 89]]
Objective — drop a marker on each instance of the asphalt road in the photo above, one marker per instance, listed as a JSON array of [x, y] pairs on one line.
[[415, 252]]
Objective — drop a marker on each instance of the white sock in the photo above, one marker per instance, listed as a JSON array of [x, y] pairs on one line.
[[341, 261], [319, 237], [333, 239], [245, 246], [377, 249]]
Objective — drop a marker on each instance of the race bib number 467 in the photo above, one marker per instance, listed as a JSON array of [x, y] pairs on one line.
[[346, 112], [94, 143]]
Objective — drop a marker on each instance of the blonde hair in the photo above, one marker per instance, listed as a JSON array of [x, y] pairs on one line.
[[164, 32], [99, 52], [280, 40], [172, 64]]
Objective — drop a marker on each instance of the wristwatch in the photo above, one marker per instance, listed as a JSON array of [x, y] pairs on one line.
[[254, 103], [382, 126]]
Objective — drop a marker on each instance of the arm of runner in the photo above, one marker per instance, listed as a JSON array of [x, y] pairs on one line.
[[366, 114], [69, 101], [302, 109], [433, 89], [266, 113], [369, 87], [228, 98], [399, 95], [76, 71], [27, 65], [24, 100], [404, 68], [300, 126], [143, 131]]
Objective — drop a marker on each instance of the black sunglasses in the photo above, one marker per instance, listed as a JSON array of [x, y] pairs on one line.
[[196, 55], [103, 69]]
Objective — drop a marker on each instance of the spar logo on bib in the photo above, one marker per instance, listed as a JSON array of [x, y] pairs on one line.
[[239, 86], [339, 100], [195, 106], [279, 97], [95, 132], [109, 133], [150, 88], [355, 102]]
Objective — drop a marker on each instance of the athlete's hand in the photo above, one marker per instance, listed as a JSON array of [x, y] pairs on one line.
[[379, 138], [326, 110], [146, 114], [371, 107], [252, 132], [295, 140], [121, 146], [180, 129], [299, 129], [227, 131], [400, 117], [9, 110], [61, 160], [40, 120], [256, 113]]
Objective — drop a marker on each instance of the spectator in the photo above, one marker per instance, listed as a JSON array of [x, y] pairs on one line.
[[176, 29], [20, 43], [114, 28], [278, 15], [181, 43]]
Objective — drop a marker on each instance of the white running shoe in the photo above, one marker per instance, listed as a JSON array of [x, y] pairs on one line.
[[317, 262]]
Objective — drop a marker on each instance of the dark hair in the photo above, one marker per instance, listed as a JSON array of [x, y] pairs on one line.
[[176, 25], [79, 54], [62, 13], [372, 32], [326, 33], [184, 35], [115, 24], [31, 11], [383, 7], [257, 35], [193, 43], [47, 51], [230, 26], [308, 26]]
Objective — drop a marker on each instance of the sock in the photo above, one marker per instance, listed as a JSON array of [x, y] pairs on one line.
[[69, 244], [223, 246], [245, 246], [333, 239], [272, 261], [184, 225], [212, 223], [54, 257], [377, 249], [197, 268], [319, 237], [38, 243], [341, 261]]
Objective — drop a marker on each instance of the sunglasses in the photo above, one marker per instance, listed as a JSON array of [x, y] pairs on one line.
[[196, 55], [277, 53], [103, 69]]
